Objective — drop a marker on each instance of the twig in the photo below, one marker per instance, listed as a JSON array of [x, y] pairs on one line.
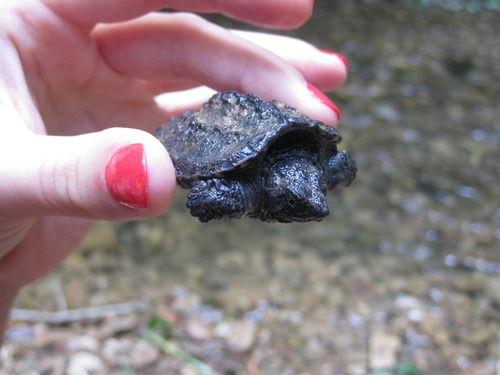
[[76, 315]]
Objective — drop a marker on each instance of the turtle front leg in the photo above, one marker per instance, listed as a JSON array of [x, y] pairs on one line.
[[341, 170], [217, 199]]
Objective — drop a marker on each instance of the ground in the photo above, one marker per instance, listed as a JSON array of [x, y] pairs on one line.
[[403, 277]]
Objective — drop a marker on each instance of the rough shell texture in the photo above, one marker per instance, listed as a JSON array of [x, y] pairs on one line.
[[230, 130]]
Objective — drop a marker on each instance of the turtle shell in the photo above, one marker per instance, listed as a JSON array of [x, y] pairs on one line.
[[230, 131]]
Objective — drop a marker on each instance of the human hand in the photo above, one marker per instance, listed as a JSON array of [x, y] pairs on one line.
[[78, 89]]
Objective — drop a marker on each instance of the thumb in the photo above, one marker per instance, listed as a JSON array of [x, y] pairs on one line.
[[115, 174]]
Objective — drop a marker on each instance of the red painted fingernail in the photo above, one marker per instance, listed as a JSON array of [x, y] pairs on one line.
[[318, 95], [127, 176], [339, 56]]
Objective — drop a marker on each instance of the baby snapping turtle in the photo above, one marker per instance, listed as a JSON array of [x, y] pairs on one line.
[[242, 156]]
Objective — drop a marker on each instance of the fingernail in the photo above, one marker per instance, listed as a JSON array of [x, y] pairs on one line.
[[319, 96], [339, 56], [127, 176]]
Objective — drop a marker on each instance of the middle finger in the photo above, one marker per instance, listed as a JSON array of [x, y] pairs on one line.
[[186, 47]]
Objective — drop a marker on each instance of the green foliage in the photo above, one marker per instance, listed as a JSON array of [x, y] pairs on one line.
[[459, 67], [160, 326], [407, 369], [402, 369]]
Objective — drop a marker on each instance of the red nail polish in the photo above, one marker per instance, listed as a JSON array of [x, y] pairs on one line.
[[318, 95], [127, 177], [339, 56]]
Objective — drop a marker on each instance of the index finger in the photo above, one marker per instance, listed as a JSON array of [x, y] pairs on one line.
[[277, 13]]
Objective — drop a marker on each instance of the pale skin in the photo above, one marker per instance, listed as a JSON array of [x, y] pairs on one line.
[[79, 80]]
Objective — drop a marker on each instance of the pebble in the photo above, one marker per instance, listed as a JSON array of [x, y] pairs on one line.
[[116, 351], [384, 350], [85, 363], [240, 336], [21, 333], [388, 112], [83, 343], [198, 330], [404, 301], [143, 354], [186, 370], [492, 289], [53, 365]]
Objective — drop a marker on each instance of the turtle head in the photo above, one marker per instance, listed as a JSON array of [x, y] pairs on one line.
[[341, 170], [294, 190]]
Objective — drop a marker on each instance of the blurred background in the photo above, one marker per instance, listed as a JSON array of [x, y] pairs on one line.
[[402, 278]]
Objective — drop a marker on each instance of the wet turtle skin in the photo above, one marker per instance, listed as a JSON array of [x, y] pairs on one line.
[[242, 156]]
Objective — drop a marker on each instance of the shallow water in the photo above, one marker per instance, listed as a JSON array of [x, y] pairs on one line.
[[410, 250]]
